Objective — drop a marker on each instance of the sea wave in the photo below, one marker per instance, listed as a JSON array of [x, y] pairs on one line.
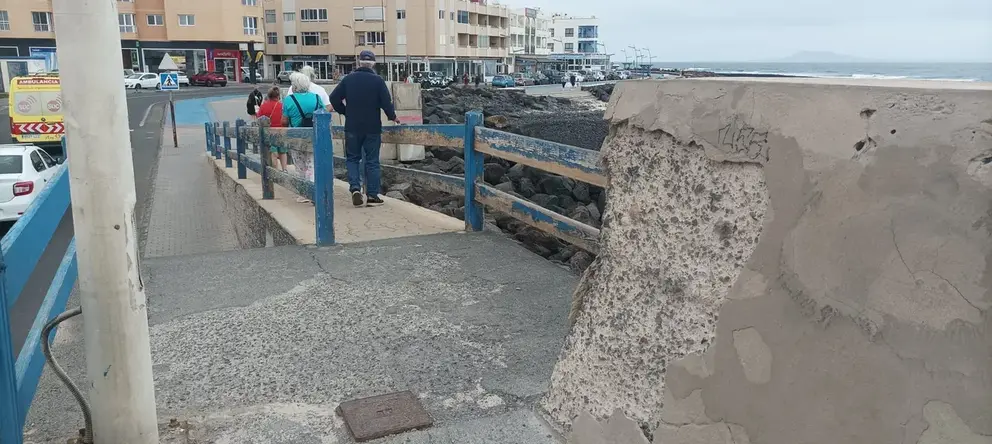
[[829, 75]]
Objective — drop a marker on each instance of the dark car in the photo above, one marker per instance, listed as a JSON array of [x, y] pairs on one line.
[[554, 77], [208, 79]]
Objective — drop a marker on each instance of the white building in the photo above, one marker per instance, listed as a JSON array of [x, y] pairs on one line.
[[576, 41], [530, 44]]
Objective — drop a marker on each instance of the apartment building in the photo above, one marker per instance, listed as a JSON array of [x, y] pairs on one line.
[[576, 41], [530, 33], [451, 36], [200, 35]]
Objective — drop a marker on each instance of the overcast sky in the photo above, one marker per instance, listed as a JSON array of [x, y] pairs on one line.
[[756, 30]]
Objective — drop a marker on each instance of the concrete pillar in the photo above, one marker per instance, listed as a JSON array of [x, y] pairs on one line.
[[409, 109]]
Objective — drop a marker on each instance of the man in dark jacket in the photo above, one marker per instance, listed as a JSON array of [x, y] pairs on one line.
[[359, 97]]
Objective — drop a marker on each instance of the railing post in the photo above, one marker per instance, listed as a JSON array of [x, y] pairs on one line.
[[323, 177], [10, 428], [264, 157], [217, 144], [473, 169], [227, 144], [210, 138], [240, 144]]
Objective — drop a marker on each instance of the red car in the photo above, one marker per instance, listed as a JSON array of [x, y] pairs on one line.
[[208, 79]]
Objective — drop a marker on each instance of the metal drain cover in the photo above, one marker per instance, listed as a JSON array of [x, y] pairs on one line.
[[383, 415]]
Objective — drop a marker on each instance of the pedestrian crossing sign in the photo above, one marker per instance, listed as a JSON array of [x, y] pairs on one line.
[[169, 81]]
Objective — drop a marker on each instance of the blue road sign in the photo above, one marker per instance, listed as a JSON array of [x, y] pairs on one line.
[[169, 81]]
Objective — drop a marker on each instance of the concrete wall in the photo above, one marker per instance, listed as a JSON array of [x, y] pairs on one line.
[[787, 262], [408, 103], [254, 227]]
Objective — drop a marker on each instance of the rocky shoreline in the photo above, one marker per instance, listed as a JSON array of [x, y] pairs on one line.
[[550, 118]]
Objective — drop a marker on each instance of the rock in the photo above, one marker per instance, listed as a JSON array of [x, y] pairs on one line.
[[567, 203], [497, 121], [580, 261], [493, 172], [517, 172], [582, 214], [557, 185], [545, 200], [526, 188], [442, 153], [601, 202], [402, 188], [396, 195], [581, 192], [506, 187], [594, 213]]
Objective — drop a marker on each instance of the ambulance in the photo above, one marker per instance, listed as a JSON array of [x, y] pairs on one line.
[[35, 106]]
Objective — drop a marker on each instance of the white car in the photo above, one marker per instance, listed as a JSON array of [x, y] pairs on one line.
[[183, 78], [24, 171], [578, 77], [140, 80]]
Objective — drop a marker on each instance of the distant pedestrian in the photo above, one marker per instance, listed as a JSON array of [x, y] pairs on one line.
[[272, 108], [297, 112], [571, 78], [478, 80], [254, 101], [359, 98], [465, 79]]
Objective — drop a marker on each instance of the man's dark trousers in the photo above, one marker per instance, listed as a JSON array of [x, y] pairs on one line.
[[358, 147]]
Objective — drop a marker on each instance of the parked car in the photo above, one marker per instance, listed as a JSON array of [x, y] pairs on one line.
[[140, 80], [522, 79], [183, 78], [25, 169], [208, 78], [554, 77], [503, 81], [578, 76], [283, 76]]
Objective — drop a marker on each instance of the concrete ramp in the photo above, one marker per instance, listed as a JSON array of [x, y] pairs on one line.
[[788, 261]]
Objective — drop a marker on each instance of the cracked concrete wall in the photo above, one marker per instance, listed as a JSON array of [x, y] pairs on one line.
[[253, 225], [787, 261]]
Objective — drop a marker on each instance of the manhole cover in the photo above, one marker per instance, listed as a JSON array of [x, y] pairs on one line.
[[383, 415]]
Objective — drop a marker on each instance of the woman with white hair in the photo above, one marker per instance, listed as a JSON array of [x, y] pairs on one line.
[[297, 112], [308, 71]]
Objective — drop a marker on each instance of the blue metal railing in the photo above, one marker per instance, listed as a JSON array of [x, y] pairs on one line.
[[20, 251], [474, 139]]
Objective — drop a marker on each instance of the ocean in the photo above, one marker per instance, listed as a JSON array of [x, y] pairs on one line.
[[971, 72]]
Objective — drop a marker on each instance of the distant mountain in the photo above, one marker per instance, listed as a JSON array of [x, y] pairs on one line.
[[820, 57]]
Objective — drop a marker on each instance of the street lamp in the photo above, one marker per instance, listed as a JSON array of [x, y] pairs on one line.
[[637, 56], [650, 60]]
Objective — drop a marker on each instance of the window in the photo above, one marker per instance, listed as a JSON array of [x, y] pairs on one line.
[[551, 46], [440, 14], [154, 20], [311, 38], [289, 16], [270, 16], [375, 38], [42, 21], [462, 16], [125, 22], [451, 40], [369, 13], [483, 41], [324, 39], [250, 25], [442, 39], [569, 47], [37, 163], [271, 38], [4, 21], [48, 159], [187, 20], [313, 15], [400, 14], [452, 14], [249, 2], [569, 32], [552, 32], [290, 39]]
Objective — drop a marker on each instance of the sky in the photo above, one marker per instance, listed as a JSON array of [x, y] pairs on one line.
[[766, 30]]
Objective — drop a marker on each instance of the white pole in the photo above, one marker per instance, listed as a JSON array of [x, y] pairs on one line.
[[101, 179]]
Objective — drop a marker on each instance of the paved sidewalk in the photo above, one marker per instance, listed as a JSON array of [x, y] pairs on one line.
[[259, 346], [187, 213]]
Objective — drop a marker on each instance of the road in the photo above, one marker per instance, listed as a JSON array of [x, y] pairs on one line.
[[146, 114]]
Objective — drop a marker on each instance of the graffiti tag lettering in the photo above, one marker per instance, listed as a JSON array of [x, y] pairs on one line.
[[738, 139]]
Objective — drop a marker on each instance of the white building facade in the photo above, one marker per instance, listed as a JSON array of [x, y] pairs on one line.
[[530, 44], [577, 42]]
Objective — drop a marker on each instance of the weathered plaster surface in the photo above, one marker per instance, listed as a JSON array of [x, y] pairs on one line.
[[789, 262]]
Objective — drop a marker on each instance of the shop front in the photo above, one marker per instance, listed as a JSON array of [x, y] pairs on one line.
[[190, 61], [344, 64], [226, 61], [322, 65]]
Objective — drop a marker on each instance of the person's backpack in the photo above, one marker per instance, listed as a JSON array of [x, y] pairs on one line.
[[307, 120], [254, 99]]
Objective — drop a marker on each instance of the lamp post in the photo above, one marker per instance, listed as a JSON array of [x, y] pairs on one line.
[[606, 52], [637, 57], [650, 61]]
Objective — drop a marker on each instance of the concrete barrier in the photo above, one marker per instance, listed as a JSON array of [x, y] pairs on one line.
[[407, 100], [787, 261]]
